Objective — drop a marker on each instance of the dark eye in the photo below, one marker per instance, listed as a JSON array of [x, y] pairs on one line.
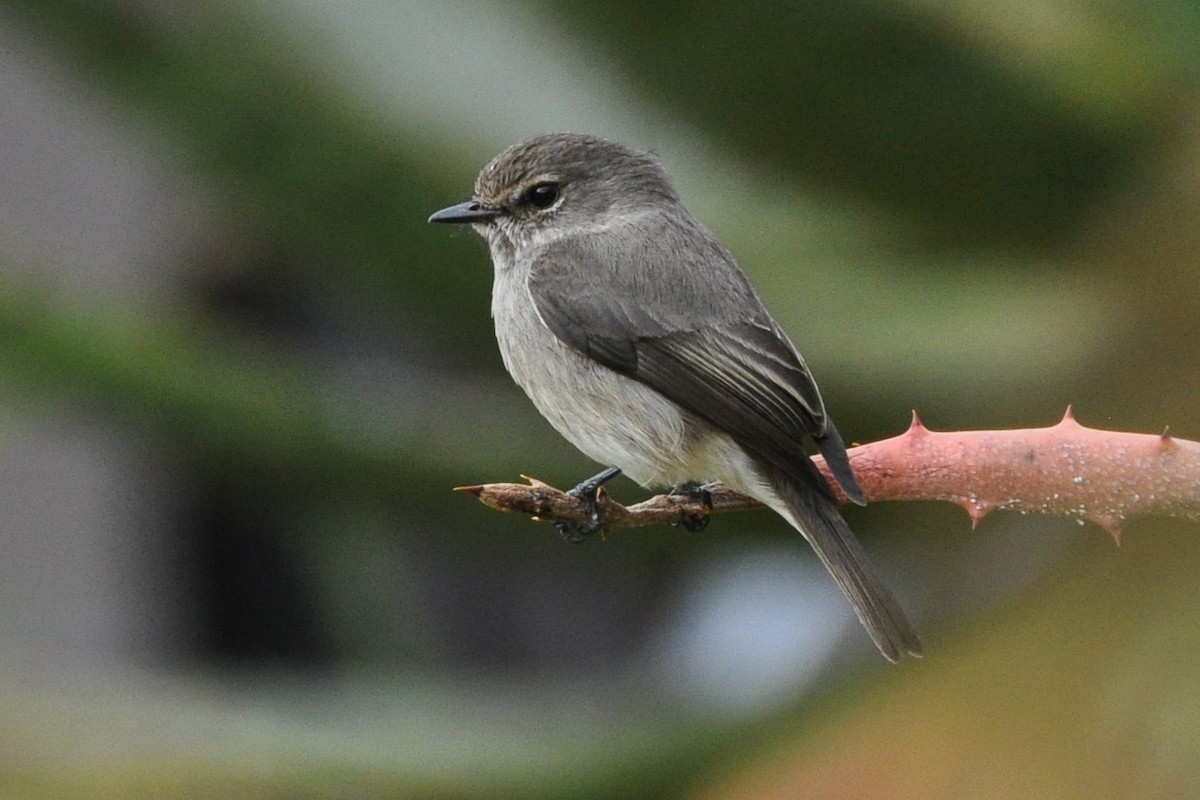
[[542, 195]]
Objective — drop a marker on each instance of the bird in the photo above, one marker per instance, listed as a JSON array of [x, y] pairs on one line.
[[635, 333]]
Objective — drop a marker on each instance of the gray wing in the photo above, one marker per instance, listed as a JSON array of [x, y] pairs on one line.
[[705, 342]]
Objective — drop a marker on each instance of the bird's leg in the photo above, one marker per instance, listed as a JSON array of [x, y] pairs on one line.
[[694, 523], [575, 532]]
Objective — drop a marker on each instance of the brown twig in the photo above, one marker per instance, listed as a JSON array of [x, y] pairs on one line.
[[1105, 477]]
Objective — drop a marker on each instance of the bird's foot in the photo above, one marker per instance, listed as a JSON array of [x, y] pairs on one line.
[[693, 523], [576, 532]]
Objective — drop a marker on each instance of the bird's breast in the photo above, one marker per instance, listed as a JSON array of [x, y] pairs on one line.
[[610, 417]]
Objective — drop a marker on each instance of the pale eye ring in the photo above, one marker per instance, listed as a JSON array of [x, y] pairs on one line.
[[542, 195]]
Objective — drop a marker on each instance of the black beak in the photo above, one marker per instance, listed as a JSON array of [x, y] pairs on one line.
[[470, 211]]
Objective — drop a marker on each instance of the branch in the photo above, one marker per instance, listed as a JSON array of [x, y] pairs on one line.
[[1105, 477]]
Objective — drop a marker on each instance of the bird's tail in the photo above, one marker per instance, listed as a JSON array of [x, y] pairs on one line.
[[817, 517]]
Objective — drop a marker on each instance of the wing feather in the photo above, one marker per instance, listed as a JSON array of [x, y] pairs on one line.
[[715, 352]]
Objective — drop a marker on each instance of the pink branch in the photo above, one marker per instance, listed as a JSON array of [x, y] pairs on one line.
[[1101, 476], [1105, 477]]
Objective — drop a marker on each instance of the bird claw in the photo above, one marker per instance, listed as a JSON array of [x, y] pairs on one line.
[[576, 532], [693, 523]]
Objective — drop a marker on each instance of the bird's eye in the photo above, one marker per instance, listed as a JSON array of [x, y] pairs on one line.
[[542, 195]]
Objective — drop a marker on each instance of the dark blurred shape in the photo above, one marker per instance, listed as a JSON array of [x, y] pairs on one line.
[[254, 602]]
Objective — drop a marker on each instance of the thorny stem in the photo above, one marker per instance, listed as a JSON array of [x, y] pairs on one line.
[[1104, 477]]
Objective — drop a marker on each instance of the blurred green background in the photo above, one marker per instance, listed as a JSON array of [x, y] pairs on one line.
[[239, 375]]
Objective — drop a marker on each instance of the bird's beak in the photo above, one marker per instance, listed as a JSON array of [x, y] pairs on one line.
[[470, 211]]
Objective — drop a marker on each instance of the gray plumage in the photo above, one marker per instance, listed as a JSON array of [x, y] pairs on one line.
[[636, 334]]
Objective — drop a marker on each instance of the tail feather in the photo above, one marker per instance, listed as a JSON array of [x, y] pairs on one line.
[[834, 450], [817, 517]]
